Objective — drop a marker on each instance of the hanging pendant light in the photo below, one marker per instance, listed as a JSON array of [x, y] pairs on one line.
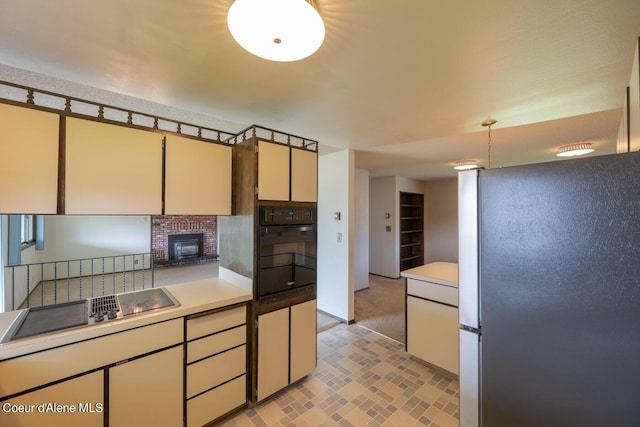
[[575, 149], [488, 123], [277, 30]]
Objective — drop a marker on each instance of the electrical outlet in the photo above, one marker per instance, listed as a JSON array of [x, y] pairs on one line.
[[339, 237]]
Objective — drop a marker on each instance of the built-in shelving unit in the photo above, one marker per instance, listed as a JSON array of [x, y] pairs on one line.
[[411, 230]]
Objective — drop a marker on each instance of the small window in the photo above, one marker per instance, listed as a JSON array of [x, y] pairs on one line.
[[28, 230]]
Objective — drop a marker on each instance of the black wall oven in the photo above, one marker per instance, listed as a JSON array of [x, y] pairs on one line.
[[286, 248]]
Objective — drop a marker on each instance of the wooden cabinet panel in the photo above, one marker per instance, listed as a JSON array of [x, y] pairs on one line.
[[217, 402], [304, 175], [273, 171], [432, 333], [273, 352], [201, 325], [148, 391], [303, 340], [197, 177], [84, 394], [215, 370], [217, 343], [28, 160], [112, 169], [33, 370]]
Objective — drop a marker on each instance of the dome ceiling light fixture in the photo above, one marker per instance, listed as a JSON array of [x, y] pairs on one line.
[[277, 30], [575, 149], [463, 165]]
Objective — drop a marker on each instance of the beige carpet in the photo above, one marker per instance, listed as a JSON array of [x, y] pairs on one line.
[[381, 307]]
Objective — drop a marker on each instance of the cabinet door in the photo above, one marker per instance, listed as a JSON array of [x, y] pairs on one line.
[[273, 352], [304, 175], [197, 177], [148, 391], [273, 171], [83, 395], [303, 339], [111, 169], [28, 160], [432, 333]]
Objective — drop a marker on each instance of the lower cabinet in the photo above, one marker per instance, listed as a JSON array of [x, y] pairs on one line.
[[138, 377], [216, 382], [286, 347], [74, 402], [147, 390], [432, 332]]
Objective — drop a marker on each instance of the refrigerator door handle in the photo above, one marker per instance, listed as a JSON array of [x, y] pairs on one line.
[[469, 378], [468, 249]]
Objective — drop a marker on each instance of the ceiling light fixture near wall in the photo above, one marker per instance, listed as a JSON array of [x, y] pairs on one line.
[[488, 123], [277, 30], [463, 165], [575, 149]]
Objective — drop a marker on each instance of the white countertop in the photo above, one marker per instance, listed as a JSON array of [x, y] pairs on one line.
[[442, 273], [194, 297]]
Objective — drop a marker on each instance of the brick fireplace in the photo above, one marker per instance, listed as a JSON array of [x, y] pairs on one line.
[[183, 228]]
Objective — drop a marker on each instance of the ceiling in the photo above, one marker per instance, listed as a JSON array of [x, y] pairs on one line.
[[404, 84]]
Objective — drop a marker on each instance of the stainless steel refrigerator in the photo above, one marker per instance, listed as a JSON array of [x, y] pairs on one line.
[[549, 294]]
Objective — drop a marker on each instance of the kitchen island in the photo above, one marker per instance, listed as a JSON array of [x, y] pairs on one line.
[[432, 314], [164, 367]]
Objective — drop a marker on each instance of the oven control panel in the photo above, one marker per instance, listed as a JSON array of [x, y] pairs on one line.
[[280, 215]]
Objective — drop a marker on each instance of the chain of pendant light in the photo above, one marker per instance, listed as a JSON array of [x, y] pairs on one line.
[[488, 123]]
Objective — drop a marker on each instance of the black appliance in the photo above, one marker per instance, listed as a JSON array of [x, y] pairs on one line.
[[549, 294], [286, 248]]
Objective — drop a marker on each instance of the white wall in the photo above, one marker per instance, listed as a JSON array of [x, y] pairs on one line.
[[361, 219], [382, 243], [335, 259], [441, 220], [86, 236], [384, 198]]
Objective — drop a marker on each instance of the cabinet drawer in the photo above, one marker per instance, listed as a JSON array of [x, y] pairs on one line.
[[200, 326], [217, 402], [217, 343], [44, 367], [215, 370], [433, 291]]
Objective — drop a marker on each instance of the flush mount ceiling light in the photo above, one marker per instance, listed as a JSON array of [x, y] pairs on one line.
[[277, 30], [575, 149], [463, 165]]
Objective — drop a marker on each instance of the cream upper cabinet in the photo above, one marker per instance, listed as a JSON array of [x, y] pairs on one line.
[[111, 169], [304, 175], [28, 160], [273, 171], [287, 173], [197, 177]]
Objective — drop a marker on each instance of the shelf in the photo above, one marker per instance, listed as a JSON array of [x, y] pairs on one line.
[[411, 230], [406, 245]]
